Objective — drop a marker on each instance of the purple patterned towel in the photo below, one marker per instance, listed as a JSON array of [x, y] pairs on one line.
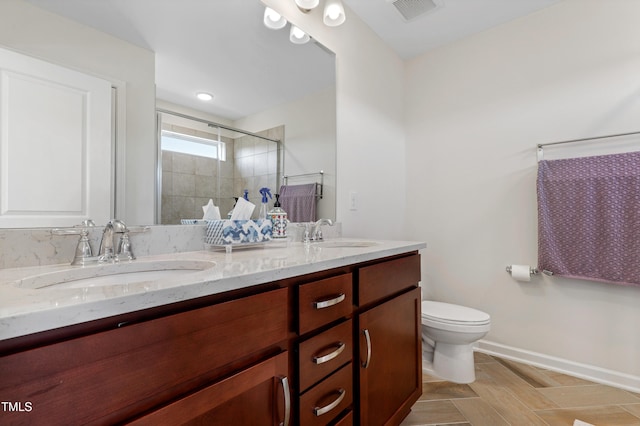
[[299, 201], [589, 218]]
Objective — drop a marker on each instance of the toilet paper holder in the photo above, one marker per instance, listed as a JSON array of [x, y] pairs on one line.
[[532, 271]]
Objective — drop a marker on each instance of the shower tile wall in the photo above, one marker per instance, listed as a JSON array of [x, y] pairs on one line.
[[256, 164], [188, 181]]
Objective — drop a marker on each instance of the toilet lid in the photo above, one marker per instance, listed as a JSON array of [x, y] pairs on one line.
[[453, 314]]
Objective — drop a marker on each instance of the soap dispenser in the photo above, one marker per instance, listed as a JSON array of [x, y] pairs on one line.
[[263, 206], [278, 219]]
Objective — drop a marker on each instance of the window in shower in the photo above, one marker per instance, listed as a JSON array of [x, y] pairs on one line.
[[193, 145]]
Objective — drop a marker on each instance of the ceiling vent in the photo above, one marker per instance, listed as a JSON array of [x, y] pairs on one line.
[[411, 9]]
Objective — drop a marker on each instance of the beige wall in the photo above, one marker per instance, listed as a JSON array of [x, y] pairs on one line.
[[370, 123], [475, 112]]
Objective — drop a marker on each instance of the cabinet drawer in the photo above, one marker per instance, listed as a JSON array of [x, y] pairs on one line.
[[131, 369], [384, 279], [327, 399], [324, 353], [321, 302]]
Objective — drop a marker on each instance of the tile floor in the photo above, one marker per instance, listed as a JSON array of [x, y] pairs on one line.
[[509, 393]]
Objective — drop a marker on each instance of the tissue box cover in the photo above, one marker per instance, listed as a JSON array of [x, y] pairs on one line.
[[223, 232], [192, 222]]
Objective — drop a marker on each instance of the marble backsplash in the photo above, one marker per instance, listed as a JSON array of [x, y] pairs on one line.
[[38, 246]]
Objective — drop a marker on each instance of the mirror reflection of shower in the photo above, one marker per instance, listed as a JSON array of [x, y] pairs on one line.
[[200, 160]]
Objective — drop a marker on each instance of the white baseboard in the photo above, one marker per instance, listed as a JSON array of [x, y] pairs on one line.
[[571, 368]]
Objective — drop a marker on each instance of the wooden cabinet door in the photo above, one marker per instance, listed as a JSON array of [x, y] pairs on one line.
[[390, 359], [258, 396]]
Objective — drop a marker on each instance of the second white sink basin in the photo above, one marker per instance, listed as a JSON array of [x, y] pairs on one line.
[[114, 274]]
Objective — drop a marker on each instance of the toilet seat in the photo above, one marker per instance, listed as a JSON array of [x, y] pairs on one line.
[[449, 314]]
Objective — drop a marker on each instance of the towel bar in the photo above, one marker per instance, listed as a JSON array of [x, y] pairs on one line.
[[319, 185]]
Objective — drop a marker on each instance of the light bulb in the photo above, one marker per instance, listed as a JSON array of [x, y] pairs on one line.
[[307, 4], [273, 19], [333, 13], [298, 36]]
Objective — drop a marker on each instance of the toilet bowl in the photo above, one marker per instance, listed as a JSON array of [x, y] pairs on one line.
[[448, 334]]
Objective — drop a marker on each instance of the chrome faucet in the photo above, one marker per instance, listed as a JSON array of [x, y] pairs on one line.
[[316, 233], [109, 251], [313, 232]]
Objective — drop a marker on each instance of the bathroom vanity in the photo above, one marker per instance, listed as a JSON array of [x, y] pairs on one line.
[[292, 333]]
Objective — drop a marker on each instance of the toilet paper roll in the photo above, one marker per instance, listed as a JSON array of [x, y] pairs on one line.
[[521, 272]]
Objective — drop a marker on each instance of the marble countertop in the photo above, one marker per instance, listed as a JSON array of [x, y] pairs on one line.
[[25, 311]]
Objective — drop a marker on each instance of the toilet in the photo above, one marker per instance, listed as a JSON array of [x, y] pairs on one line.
[[448, 334]]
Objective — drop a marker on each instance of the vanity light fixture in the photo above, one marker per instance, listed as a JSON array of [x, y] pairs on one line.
[[332, 16], [204, 96], [273, 19], [297, 36]]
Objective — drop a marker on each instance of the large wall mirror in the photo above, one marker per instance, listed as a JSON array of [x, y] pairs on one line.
[[262, 84]]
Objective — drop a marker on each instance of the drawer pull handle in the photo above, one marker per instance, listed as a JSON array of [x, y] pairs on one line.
[[318, 411], [367, 338], [287, 400], [329, 302], [329, 356]]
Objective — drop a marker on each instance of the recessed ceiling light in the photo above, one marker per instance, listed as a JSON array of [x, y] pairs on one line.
[[204, 96]]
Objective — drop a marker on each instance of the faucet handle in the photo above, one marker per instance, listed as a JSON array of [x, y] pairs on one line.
[[124, 247], [83, 252], [75, 229], [317, 228], [83, 249], [306, 234]]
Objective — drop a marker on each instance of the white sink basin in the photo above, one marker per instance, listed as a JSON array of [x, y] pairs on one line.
[[344, 244], [114, 274]]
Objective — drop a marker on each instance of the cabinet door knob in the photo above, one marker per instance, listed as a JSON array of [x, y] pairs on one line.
[[329, 302], [331, 355], [318, 411], [287, 400], [367, 338]]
